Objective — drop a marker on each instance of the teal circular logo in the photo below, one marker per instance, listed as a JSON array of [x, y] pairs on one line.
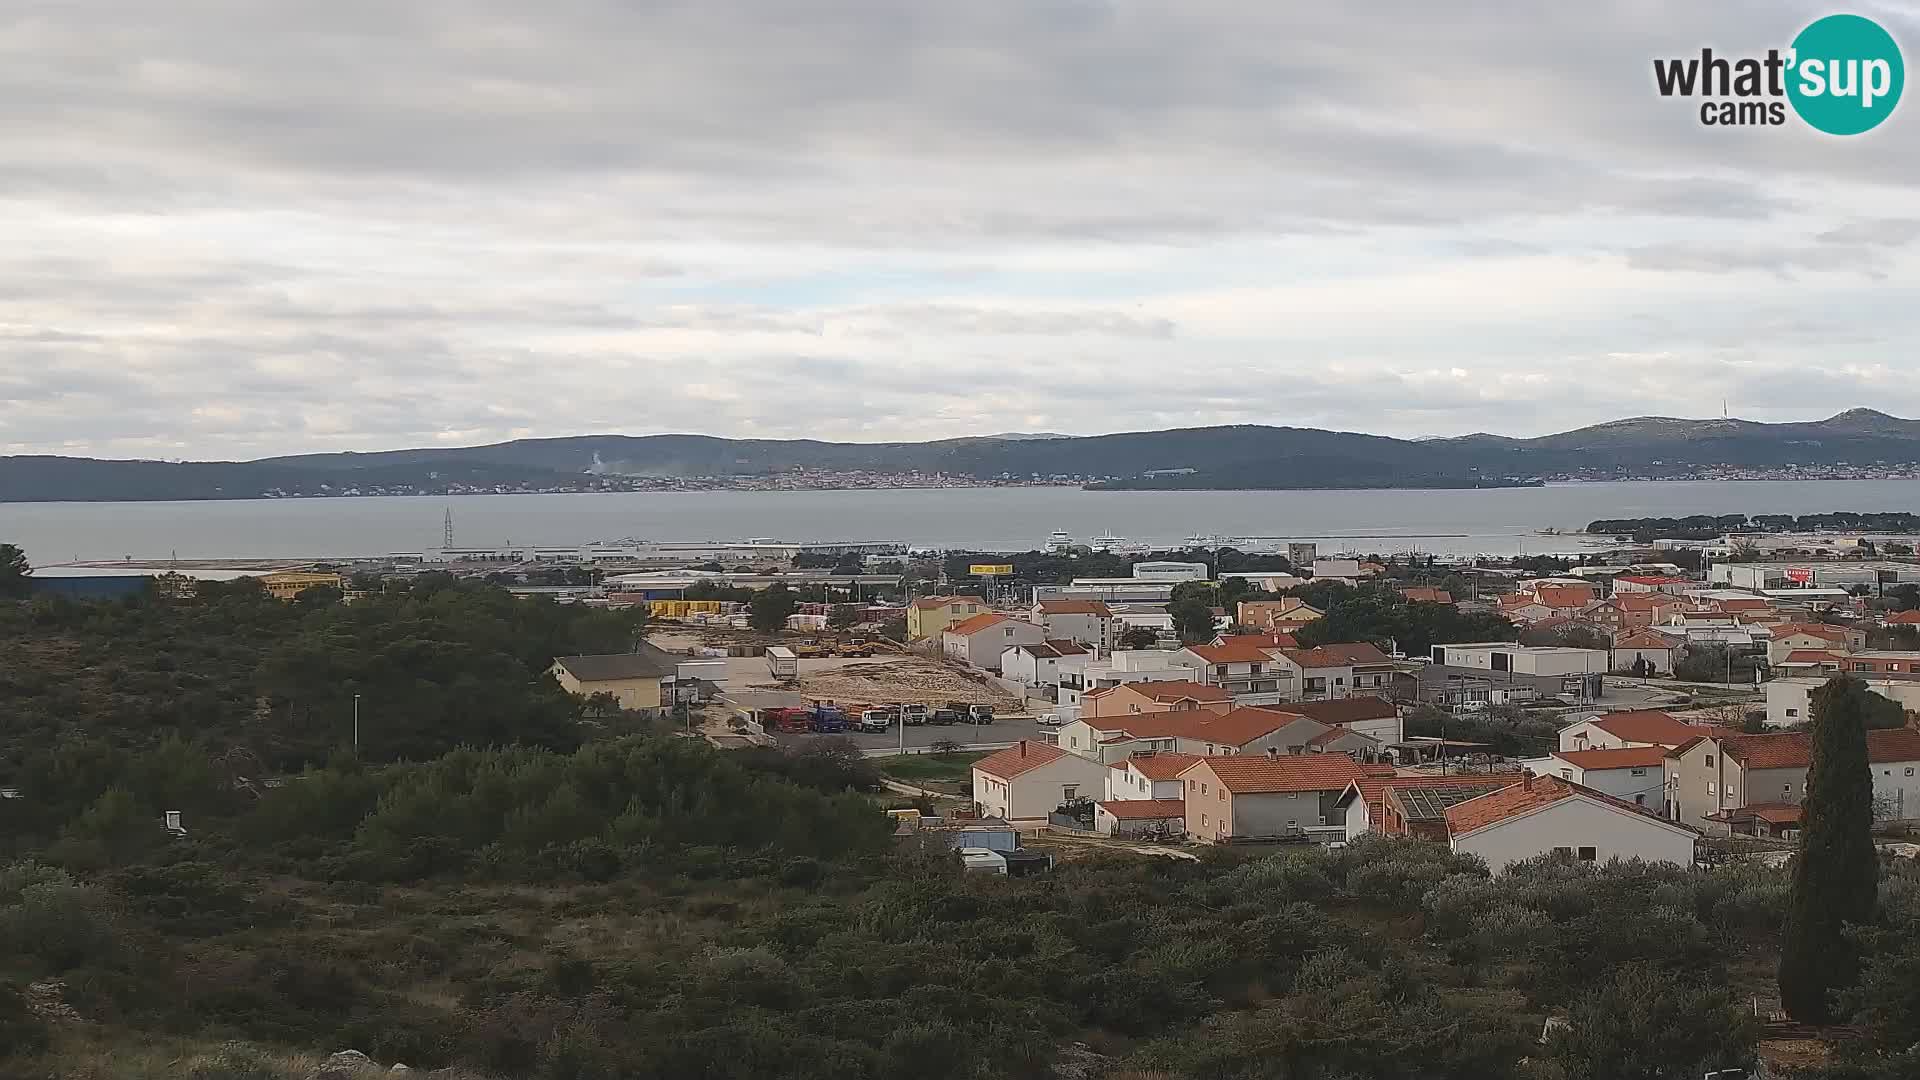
[[1846, 74]]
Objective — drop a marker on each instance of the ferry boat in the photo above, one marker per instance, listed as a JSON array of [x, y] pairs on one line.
[[1059, 540], [1106, 541]]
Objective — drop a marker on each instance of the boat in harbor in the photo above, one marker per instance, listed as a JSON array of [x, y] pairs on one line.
[[1106, 541], [1059, 540]]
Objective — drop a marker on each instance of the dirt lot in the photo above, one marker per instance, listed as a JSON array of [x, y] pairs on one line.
[[905, 680]]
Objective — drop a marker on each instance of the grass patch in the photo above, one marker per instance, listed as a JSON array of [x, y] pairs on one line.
[[930, 768]]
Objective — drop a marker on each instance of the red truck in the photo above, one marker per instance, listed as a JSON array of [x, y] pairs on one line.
[[791, 721]]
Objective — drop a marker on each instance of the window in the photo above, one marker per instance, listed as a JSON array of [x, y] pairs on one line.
[[1636, 772], [1563, 851], [1222, 795], [1909, 770], [1793, 712], [1203, 821], [1074, 740], [1860, 665], [1639, 800], [1566, 774], [1710, 790], [1588, 854], [1203, 789], [1709, 761], [1069, 791], [1786, 789]]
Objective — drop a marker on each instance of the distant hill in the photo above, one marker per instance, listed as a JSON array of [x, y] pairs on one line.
[[1235, 457]]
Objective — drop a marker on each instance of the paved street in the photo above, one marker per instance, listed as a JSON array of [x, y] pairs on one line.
[[998, 733]]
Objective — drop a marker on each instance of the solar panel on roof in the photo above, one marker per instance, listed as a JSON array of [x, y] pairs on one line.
[[1430, 803]]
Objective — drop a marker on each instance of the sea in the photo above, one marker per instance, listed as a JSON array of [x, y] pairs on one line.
[[1502, 521]]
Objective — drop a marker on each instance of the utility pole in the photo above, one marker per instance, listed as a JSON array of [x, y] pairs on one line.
[[356, 725]]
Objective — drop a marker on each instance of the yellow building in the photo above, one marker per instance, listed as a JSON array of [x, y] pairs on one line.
[[636, 680], [287, 584], [930, 616]]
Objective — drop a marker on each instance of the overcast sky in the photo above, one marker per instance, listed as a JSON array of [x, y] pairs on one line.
[[245, 227]]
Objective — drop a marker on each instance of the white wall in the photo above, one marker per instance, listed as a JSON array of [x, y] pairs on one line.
[[1790, 701], [1575, 823], [1035, 793]]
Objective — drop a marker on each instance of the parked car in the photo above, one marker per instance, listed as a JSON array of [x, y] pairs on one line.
[[1470, 707], [944, 717], [1050, 719]]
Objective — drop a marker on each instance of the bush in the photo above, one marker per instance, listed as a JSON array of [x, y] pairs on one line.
[[62, 926]]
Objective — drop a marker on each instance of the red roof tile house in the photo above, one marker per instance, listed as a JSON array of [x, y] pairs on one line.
[[1251, 798], [1901, 618], [1635, 774], [1149, 775], [1426, 596], [1648, 647], [1203, 732], [980, 641], [1173, 695], [1158, 818], [1375, 717], [1040, 665], [1727, 771], [1543, 815], [1650, 583], [1411, 805], [1640, 727], [1632, 611], [1789, 637], [1030, 779], [1089, 622]]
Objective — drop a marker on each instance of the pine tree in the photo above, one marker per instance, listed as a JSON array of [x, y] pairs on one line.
[[1836, 875], [15, 571]]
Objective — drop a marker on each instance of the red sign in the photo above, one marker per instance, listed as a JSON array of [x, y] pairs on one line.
[[1799, 575]]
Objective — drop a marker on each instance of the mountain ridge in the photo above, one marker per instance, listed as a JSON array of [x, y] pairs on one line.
[[1237, 456]]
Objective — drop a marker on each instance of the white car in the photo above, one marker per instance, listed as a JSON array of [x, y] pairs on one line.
[[1470, 707], [1050, 719]]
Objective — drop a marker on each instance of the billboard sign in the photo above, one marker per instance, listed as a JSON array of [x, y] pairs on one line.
[[991, 569], [1799, 575]]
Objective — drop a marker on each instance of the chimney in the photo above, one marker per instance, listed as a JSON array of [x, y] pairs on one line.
[[1526, 779], [1023, 748]]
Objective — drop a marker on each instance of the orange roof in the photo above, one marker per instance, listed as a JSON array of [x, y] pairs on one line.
[[1631, 757], [1254, 774], [1241, 726], [1329, 656], [1813, 656], [1564, 596], [927, 603], [1530, 794], [1176, 690], [1159, 766], [1357, 652], [1648, 726], [1904, 618], [1245, 649], [1794, 749], [1339, 711], [969, 627], [1819, 630], [1427, 596], [1374, 788], [1022, 757], [1334, 735], [1642, 601], [1054, 648], [1075, 607], [1643, 639], [1145, 809], [1755, 604]]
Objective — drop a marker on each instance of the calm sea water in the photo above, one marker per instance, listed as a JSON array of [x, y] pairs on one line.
[[1507, 521]]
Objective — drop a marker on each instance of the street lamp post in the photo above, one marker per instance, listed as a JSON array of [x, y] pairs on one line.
[[356, 724]]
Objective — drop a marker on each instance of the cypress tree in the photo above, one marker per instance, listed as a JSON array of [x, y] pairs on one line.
[[1837, 871]]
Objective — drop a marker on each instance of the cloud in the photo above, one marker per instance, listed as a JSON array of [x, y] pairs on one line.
[[241, 229]]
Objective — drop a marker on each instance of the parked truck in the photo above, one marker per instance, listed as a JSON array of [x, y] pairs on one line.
[[828, 720], [970, 713], [789, 721], [782, 663]]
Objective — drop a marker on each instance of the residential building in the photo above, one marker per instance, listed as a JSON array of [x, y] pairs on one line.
[[930, 616], [1147, 776], [1126, 590], [1649, 647], [1716, 773], [1375, 717], [1244, 798], [1812, 662], [289, 584], [1267, 580], [1639, 727], [1790, 697], [981, 641], [1789, 638], [1544, 815], [1884, 662], [1124, 666], [1635, 774], [1369, 671], [1128, 699], [1631, 611], [1030, 779], [635, 680], [1426, 596], [1089, 622], [1900, 618], [1141, 817], [1038, 665], [1248, 667], [1207, 733], [1287, 614], [1411, 805], [1347, 570]]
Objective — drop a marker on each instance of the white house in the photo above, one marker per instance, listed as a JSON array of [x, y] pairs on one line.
[[980, 641], [1089, 622], [1646, 644], [1790, 698], [1544, 815], [1523, 659], [1375, 717], [1147, 776], [1640, 727], [1029, 779], [1038, 665], [1124, 666], [1635, 774]]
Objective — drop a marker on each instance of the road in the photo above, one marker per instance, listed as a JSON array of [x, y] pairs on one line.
[[992, 736]]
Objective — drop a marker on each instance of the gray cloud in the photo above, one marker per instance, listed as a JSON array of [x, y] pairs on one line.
[[239, 228]]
